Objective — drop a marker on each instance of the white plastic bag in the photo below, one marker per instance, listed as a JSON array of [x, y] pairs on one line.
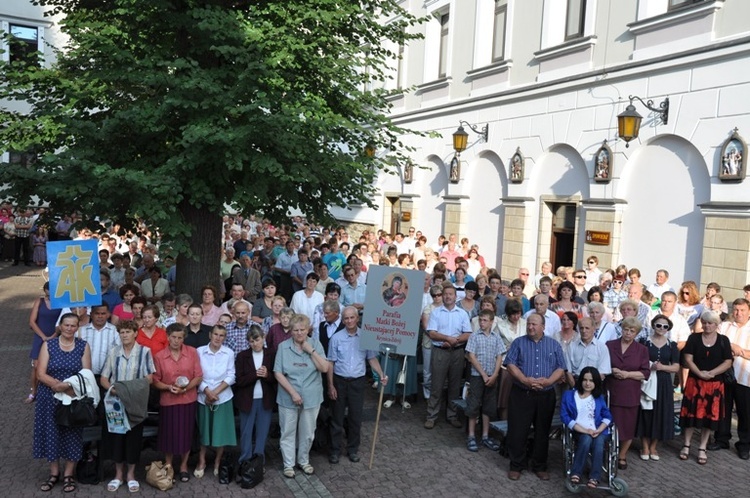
[[117, 419]]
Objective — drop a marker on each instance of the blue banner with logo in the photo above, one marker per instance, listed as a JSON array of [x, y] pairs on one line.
[[74, 273]]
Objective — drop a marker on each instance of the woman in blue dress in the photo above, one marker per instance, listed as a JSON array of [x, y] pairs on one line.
[[42, 323], [59, 358]]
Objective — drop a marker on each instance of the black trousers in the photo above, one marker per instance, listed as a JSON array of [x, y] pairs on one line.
[[22, 244], [524, 409], [351, 394], [739, 396]]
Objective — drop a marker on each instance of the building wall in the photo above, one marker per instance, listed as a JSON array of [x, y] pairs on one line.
[[557, 101]]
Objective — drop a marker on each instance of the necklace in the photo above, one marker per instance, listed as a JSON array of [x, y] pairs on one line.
[[62, 344]]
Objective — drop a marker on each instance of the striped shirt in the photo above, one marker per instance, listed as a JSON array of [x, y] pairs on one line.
[[741, 337], [100, 342], [137, 365], [536, 359]]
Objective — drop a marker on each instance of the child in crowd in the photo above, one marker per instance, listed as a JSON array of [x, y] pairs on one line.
[[484, 351]]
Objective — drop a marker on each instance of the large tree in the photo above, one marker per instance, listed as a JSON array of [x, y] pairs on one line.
[[172, 110]]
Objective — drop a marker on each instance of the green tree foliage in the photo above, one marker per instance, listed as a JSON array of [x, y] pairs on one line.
[[173, 109]]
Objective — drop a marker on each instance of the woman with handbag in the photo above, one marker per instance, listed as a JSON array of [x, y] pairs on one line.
[[178, 374], [126, 362], [60, 357]]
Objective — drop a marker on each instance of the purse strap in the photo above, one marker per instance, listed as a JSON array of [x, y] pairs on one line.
[[82, 382]]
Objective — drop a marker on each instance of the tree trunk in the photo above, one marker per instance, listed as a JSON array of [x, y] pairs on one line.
[[203, 267]]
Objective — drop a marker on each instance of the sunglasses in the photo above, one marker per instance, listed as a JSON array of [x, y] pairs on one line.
[[661, 326], [618, 282], [592, 262], [579, 276]]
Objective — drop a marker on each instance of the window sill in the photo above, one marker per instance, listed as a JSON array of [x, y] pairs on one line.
[[494, 68], [434, 85], [677, 16], [566, 48]]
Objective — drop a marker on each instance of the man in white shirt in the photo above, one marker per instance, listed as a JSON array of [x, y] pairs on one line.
[[100, 335], [661, 286], [737, 394], [680, 330], [604, 331], [586, 351], [552, 321]]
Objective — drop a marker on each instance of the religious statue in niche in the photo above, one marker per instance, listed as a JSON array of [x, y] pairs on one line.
[[455, 170], [516, 167], [603, 164], [733, 159], [408, 172]]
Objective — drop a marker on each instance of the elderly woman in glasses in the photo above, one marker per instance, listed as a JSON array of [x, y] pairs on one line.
[[656, 422]]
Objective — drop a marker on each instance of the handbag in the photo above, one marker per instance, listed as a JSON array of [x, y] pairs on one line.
[[117, 418], [728, 376], [87, 469], [251, 472], [160, 475], [80, 412], [226, 468]]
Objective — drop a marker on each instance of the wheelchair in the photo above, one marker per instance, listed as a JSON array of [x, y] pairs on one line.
[[609, 481]]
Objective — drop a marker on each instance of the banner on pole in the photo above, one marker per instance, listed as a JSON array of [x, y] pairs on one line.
[[393, 308], [74, 273]]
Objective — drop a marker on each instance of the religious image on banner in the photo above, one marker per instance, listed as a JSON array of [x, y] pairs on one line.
[[74, 273], [395, 290], [393, 308]]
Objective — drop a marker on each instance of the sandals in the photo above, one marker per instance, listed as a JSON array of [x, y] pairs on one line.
[[50, 483], [134, 486], [685, 452], [406, 405], [574, 479], [471, 444], [69, 484], [114, 485], [184, 476], [198, 473], [592, 484], [388, 404], [289, 472], [30, 398], [702, 460], [307, 469], [622, 464]]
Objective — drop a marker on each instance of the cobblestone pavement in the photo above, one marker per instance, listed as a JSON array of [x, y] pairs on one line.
[[409, 460]]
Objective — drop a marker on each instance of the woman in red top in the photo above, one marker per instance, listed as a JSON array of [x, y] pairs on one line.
[[150, 335], [178, 374]]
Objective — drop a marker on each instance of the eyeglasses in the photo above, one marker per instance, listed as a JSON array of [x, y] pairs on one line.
[[661, 326], [617, 282], [579, 276]]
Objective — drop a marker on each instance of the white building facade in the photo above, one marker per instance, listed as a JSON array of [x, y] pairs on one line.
[[549, 78]]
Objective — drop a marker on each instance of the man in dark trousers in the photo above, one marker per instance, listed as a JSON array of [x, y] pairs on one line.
[[347, 384], [536, 363]]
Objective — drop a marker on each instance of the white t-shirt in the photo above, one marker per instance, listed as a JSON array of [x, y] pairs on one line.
[[586, 408]]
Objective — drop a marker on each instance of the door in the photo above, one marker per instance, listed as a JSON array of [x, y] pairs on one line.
[[563, 235]]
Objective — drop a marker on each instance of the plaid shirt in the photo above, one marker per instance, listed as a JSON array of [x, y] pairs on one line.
[[237, 337], [23, 220], [486, 348]]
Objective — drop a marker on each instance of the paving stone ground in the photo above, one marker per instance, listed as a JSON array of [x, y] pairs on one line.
[[409, 460]]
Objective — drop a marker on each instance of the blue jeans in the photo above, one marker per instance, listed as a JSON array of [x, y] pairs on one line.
[[586, 444], [257, 418]]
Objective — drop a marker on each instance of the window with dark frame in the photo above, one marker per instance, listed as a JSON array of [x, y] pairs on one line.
[[678, 4], [575, 19], [23, 43], [498, 31], [21, 158], [443, 63]]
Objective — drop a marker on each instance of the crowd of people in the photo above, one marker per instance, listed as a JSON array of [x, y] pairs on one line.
[[279, 330]]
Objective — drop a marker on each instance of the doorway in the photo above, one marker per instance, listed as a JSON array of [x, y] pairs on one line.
[[395, 214], [562, 243]]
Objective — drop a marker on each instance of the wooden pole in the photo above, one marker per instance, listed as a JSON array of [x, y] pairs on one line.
[[380, 407]]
